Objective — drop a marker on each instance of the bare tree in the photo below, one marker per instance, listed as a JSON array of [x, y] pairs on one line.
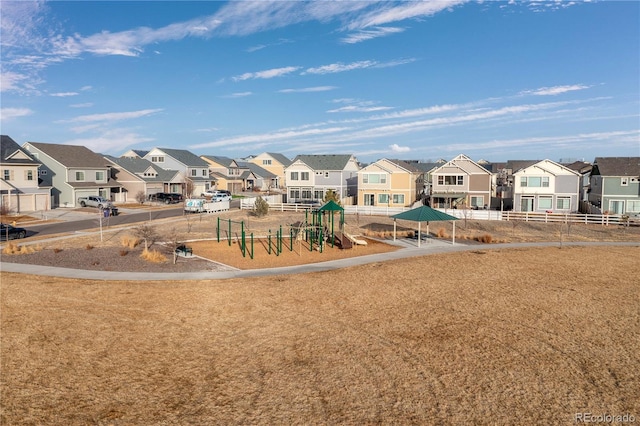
[[147, 233], [141, 197], [175, 241]]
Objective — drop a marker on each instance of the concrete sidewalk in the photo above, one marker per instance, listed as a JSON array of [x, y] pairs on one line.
[[408, 249]]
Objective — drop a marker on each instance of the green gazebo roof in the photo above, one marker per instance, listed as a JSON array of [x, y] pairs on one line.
[[424, 214], [331, 206]]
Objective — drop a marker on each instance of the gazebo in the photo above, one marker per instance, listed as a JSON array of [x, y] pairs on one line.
[[424, 214]]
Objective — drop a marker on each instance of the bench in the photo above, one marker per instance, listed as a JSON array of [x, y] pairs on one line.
[[184, 250]]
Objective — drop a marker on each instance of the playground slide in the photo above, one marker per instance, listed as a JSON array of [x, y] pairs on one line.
[[343, 241], [355, 240]]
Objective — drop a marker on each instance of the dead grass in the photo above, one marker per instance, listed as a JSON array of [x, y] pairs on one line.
[[528, 336], [153, 256]]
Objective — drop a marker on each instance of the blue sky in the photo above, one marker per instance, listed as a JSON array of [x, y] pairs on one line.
[[412, 80]]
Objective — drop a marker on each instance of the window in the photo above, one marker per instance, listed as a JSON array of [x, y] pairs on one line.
[[7, 174], [29, 175], [306, 194], [318, 194], [374, 178], [294, 175], [294, 193], [79, 176], [535, 181], [624, 181], [304, 175], [545, 203], [266, 162], [42, 172], [451, 180], [157, 159], [326, 174], [633, 206], [563, 203], [204, 172], [477, 201], [383, 198], [398, 198], [194, 172], [99, 176], [368, 199]]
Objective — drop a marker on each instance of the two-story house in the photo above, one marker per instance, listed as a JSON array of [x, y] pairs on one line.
[[225, 173], [136, 175], [274, 163], [546, 186], [194, 169], [309, 177], [389, 183], [73, 171], [461, 182], [20, 190], [615, 185]]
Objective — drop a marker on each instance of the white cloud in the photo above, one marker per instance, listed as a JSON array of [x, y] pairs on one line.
[[64, 94], [340, 67], [267, 137], [308, 89], [238, 95], [112, 116], [271, 73], [363, 35], [83, 105], [111, 141], [397, 148], [7, 114], [555, 90], [359, 108]]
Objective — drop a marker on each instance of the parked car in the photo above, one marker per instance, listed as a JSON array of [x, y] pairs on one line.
[[221, 197], [165, 197], [214, 192], [10, 232], [95, 201]]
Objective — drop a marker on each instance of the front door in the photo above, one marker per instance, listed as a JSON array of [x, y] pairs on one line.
[[616, 206], [369, 199], [526, 204]]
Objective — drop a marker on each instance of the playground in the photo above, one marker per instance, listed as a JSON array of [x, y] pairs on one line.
[[319, 237]]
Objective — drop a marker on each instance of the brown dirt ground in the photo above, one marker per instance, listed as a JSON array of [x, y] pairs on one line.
[[526, 336]]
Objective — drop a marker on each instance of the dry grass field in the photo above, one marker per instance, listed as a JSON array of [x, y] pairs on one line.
[[526, 336]]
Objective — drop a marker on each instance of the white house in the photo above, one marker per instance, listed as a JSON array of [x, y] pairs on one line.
[[546, 186]]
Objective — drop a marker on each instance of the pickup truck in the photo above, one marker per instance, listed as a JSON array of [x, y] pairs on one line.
[[93, 201]]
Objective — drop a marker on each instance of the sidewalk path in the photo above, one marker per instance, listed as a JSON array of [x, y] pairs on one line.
[[407, 251]]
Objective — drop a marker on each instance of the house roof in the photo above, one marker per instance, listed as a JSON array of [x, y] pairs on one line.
[[71, 155], [325, 162], [137, 166], [225, 161], [405, 165], [426, 167], [9, 147], [256, 170], [579, 166], [187, 158], [280, 158], [515, 165], [617, 166], [424, 214]]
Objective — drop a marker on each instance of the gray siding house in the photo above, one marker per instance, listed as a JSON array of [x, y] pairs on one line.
[[73, 171], [309, 177], [546, 186], [136, 175], [615, 185], [194, 169]]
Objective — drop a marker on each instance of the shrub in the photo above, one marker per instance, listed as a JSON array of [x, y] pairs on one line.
[[153, 256], [10, 248], [129, 241], [88, 247], [486, 238], [124, 252], [261, 207], [141, 197], [57, 250], [442, 233]]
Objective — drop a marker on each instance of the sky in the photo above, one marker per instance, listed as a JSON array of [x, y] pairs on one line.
[[413, 80]]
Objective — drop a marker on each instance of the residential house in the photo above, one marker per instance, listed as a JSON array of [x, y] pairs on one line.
[[135, 153], [546, 186], [274, 163], [389, 183], [425, 179], [194, 169], [584, 169], [461, 182], [256, 178], [225, 173], [73, 171], [20, 190], [615, 185], [137, 175], [309, 177]]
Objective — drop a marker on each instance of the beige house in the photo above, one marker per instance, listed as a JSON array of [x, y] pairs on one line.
[[275, 164], [389, 183], [461, 182], [19, 177]]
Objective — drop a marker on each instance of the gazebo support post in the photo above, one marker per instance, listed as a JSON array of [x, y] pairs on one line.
[[419, 233], [394, 229], [453, 237]]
